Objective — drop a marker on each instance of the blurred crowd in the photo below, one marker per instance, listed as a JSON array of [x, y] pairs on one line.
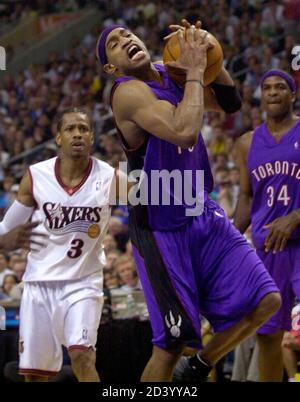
[[11, 12], [255, 35]]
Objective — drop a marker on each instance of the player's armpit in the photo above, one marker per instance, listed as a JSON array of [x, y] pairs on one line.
[[135, 102]]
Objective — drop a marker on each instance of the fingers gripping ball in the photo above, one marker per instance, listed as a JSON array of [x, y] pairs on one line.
[[214, 60]]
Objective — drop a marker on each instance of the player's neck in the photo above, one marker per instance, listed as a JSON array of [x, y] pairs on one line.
[[280, 125], [72, 169], [149, 73]]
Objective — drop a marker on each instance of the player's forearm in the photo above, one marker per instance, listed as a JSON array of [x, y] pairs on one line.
[[226, 94], [224, 78], [188, 115], [242, 213], [16, 214]]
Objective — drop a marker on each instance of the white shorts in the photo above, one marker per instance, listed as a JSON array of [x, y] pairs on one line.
[[58, 313]]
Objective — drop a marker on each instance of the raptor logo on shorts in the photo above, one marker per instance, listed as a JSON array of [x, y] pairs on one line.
[[172, 325]]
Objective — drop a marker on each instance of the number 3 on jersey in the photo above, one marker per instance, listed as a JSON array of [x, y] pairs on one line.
[[282, 196], [76, 249]]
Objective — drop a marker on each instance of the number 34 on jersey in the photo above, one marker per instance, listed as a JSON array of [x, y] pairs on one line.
[[281, 196]]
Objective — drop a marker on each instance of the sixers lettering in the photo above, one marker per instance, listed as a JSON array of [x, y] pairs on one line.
[[269, 160], [62, 219], [66, 221], [62, 300]]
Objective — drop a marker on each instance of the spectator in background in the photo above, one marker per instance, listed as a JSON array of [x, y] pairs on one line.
[[19, 268], [234, 177], [9, 282], [109, 243], [218, 143], [291, 353], [111, 280], [126, 271], [268, 59], [221, 161], [128, 251], [225, 196], [111, 257], [119, 231], [8, 182]]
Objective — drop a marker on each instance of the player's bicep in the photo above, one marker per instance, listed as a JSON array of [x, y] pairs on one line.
[[157, 118], [137, 104], [25, 195], [245, 184]]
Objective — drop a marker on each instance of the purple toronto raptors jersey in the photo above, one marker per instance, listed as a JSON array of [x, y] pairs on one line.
[[274, 169], [156, 154]]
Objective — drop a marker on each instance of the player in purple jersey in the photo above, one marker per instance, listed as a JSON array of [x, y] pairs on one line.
[[188, 265], [269, 161]]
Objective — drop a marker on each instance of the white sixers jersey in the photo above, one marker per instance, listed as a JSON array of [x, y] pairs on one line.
[[75, 219]]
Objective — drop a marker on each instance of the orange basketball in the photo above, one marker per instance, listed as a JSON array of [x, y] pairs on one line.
[[214, 60]]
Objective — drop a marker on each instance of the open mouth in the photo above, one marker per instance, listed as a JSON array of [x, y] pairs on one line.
[[135, 52], [277, 102], [78, 145]]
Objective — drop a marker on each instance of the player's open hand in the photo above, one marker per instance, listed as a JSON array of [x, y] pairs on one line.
[[23, 236], [184, 25], [280, 230]]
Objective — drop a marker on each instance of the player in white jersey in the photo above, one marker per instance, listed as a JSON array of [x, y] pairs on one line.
[[62, 299]]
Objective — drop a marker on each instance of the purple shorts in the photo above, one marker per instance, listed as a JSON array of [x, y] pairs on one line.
[[205, 267], [284, 267]]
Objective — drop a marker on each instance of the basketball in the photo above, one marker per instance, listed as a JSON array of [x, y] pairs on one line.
[[214, 60]]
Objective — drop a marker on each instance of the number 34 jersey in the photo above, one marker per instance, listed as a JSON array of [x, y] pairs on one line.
[[74, 219], [274, 170]]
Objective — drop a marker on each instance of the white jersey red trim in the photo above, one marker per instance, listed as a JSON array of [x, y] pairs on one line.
[[76, 220]]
